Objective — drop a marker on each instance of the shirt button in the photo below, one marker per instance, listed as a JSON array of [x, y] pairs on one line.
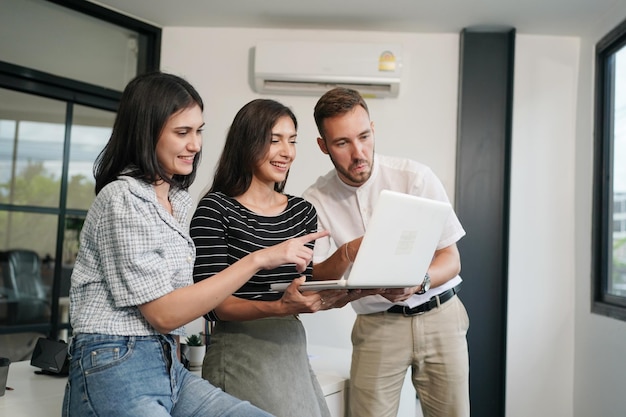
[[189, 259]]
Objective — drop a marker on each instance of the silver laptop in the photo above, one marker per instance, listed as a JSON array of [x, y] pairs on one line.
[[398, 245]]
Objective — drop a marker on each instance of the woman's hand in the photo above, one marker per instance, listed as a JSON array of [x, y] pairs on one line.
[[324, 299], [333, 298], [294, 301], [292, 251], [338, 299]]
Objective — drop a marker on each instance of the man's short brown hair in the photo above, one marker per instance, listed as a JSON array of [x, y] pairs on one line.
[[336, 102]]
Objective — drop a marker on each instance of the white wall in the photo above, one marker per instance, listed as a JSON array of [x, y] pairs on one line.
[[540, 332], [420, 123], [216, 61], [554, 364]]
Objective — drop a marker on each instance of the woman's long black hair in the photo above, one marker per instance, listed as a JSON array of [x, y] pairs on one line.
[[147, 103]]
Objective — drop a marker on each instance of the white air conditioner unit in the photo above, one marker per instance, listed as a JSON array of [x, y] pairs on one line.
[[312, 68]]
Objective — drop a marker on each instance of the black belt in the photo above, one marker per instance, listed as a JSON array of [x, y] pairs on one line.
[[435, 301]]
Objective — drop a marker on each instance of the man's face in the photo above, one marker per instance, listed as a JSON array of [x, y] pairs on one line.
[[349, 141]]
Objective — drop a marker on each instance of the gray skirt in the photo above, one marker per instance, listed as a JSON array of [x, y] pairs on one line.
[[265, 362]]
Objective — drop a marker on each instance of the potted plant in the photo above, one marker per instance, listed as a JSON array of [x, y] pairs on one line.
[[195, 351]]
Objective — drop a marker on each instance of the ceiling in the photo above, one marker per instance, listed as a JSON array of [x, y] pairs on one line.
[[547, 17]]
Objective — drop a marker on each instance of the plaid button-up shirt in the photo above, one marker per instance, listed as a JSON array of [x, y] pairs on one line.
[[132, 251]]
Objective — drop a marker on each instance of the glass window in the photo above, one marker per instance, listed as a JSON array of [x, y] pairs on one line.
[[56, 114], [91, 129], [31, 154], [609, 257], [33, 169], [25, 290], [75, 45]]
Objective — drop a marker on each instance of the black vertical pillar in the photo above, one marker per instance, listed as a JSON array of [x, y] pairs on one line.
[[482, 204]]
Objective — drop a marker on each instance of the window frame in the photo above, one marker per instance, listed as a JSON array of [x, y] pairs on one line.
[[73, 92], [602, 301], [149, 35]]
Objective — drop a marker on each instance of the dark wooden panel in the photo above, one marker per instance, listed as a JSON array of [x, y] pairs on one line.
[[482, 203]]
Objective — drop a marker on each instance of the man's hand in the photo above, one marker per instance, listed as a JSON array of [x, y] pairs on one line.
[[339, 298], [399, 294]]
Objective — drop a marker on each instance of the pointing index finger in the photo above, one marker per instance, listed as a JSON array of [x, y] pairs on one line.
[[313, 236]]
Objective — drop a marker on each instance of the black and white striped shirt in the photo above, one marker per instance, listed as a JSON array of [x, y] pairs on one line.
[[225, 231]]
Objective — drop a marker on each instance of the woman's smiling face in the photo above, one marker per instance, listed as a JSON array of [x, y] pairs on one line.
[[180, 141]]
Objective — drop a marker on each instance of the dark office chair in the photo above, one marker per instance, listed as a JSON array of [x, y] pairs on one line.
[[24, 290]]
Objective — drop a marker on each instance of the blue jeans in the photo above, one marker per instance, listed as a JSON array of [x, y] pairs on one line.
[[140, 376]]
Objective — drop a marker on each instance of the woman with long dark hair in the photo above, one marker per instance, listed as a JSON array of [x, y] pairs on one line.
[[258, 347], [132, 289]]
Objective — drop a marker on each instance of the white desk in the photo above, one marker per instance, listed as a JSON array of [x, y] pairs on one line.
[[32, 394], [332, 368], [42, 395]]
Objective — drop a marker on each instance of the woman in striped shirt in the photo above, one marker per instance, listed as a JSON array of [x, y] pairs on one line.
[[258, 347]]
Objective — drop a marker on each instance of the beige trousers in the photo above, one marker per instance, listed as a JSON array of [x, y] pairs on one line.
[[433, 344]]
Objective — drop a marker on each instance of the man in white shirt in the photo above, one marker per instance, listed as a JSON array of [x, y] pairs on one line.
[[422, 327]]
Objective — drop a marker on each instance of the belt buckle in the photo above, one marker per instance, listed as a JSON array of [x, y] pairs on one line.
[[406, 308]]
